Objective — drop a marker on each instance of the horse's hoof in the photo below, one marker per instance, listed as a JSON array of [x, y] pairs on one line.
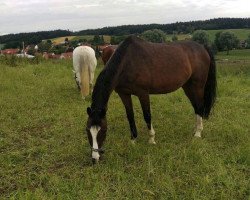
[[133, 142], [197, 134], [151, 141]]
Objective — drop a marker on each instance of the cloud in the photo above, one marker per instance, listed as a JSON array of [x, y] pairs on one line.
[[33, 15]]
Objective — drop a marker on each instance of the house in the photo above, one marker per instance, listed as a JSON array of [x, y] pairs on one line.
[[50, 56], [67, 55], [10, 51], [243, 43]]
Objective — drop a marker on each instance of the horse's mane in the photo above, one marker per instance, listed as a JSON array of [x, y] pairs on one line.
[[107, 79]]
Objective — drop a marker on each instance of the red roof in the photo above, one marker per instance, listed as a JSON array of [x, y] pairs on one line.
[[9, 51], [67, 55]]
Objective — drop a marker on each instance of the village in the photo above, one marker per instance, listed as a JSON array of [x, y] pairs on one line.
[[55, 50]]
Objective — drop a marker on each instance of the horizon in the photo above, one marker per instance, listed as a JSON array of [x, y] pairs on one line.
[[122, 25], [19, 16]]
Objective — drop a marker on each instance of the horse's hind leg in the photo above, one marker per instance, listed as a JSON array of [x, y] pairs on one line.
[[145, 104], [91, 80], [127, 102], [195, 93]]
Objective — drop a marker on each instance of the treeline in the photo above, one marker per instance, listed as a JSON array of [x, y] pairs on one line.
[[15, 40], [179, 27]]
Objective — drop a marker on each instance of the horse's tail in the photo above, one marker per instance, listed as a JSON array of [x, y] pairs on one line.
[[84, 79], [210, 86]]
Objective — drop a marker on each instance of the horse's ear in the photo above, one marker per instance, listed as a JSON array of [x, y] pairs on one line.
[[103, 113], [89, 111]]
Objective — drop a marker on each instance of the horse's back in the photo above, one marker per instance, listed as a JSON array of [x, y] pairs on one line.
[[84, 51], [161, 68], [84, 55]]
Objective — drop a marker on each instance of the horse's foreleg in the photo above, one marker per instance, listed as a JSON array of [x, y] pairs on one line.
[[145, 104], [199, 126], [127, 101]]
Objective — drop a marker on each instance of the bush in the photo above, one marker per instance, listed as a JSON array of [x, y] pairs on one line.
[[155, 35], [226, 40], [201, 37]]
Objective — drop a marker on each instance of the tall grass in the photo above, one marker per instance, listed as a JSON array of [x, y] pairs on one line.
[[44, 152]]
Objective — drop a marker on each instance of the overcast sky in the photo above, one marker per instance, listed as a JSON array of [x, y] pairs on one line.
[[36, 15]]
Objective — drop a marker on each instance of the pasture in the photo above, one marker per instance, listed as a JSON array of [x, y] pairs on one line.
[[242, 34], [44, 152], [83, 37]]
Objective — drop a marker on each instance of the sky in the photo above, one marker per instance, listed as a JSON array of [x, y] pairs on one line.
[[39, 15]]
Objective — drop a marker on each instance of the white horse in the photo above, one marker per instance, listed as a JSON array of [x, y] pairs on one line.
[[84, 63]]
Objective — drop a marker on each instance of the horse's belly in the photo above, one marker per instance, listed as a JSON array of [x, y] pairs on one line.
[[158, 82], [165, 87]]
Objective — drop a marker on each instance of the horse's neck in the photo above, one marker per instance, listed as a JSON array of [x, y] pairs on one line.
[[108, 78], [104, 86]]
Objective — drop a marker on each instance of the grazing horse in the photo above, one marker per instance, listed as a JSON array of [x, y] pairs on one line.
[[107, 52], [141, 68], [84, 63]]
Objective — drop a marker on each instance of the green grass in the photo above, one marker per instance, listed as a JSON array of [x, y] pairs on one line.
[[74, 38], [90, 37], [179, 36], [62, 39], [241, 34], [235, 55], [44, 152]]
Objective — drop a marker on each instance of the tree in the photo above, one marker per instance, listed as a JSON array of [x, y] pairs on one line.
[[11, 45], [217, 41], [201, 37], [117, 39], [155, 35], [44, 46], [226, 41], [97, 40], [174, 38], [58, 49], [66, 41], [248, 42], [31, 51]]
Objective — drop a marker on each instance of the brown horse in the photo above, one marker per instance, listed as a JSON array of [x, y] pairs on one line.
[[141, 68], [107, 52]]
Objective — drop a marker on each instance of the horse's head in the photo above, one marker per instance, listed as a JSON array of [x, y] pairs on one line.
[[77, 79], [96, 131]]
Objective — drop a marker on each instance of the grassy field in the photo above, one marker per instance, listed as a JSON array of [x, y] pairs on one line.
[[73, 38], [44, 153], [62, 39], [241, 34]]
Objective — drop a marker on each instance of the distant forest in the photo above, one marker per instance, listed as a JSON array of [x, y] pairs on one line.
[[178, 27]]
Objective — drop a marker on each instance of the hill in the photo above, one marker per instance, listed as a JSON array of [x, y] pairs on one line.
[[13, 40], [76, 38], [241, 34]]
